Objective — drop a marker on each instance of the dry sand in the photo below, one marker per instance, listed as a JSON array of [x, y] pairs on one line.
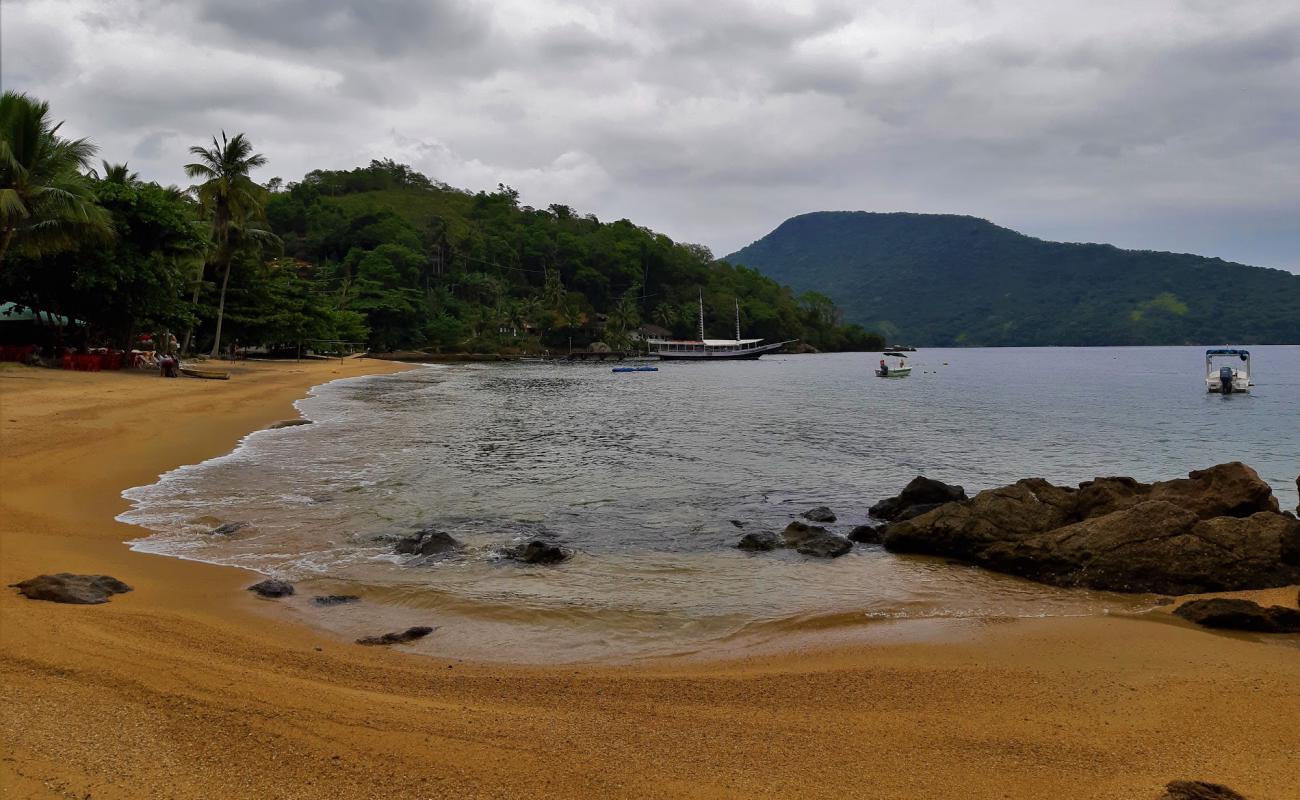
[[188, 687]]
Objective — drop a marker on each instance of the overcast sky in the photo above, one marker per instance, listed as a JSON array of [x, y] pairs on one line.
[[1162, 124]]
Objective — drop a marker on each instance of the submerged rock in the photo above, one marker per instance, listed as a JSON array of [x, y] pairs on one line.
[[814, 540], [1198, 790], [1218, 529], [287, 423], [400, 637], [335, 599], [819, 514], [920, 495], [537, 551], [1240, 615], [228, 528], [272, 588], [65, 587], [427, 542], [867, 534], [761, 541]]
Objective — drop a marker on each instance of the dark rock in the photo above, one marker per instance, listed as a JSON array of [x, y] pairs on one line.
[[228, 528], [1240, 615], [1197, 534], [65, 587], [287, 423], [402, 637], [1198, 790], [761, 540], [921, 491], [814, 540], [537, 552], [272, 588], [428, 542], [335, 599], [819, 514], [867, 534], [738, 523]]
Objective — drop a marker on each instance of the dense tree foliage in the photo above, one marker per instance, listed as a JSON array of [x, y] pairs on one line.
[[949, 280]]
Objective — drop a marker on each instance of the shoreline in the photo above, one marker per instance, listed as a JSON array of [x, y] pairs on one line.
[[159, 691]]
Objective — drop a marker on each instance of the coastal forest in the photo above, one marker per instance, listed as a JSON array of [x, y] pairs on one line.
[[380, 257], [945, 280]]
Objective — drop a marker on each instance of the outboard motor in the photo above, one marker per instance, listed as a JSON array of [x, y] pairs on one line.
[[1225, 380]]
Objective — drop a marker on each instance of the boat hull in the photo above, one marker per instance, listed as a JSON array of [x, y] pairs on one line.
[[897, 372], [746, 354]]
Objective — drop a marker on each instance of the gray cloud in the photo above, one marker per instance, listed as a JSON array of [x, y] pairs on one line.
[[1169, 124]]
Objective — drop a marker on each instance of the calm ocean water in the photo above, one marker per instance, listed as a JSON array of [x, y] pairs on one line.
[[641, 474]]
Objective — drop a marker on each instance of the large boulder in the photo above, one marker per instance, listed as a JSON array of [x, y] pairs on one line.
[[814, 540], [65, 587], [272, 588], [427, 542], [1240, 615], [920, 491], [1216, 530]]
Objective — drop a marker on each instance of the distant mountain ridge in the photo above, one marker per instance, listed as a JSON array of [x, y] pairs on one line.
[[938, 279]]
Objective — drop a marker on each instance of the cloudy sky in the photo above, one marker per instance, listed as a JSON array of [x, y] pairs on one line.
[[1163, 124]]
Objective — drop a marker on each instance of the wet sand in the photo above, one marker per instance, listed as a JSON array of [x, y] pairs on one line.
[[191, 687]]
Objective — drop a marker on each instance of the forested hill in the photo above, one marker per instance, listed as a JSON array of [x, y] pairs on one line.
[[417, 263], [938, 280]]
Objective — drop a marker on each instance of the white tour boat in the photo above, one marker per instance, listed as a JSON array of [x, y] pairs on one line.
[[713, 349], [1227, 378]]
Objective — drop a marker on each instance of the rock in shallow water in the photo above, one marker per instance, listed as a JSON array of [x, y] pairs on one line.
[[1217, 529], [428, 542], [819, 514], [761, 541], [814, 540], [402, 637], [1240, 615], [65, 587], [537, 551], [920, 495], [287, 423], [867, 534], [228, 528], [272, 588]]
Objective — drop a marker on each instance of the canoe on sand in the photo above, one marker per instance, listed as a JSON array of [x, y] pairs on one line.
[[211, 374]]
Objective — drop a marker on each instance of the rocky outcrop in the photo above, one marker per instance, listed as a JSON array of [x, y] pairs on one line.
[[537, 551], [921, 494], [867, 534], [400, 637], [814, 540], [335, 599], [1198, 790], [1240, 615], [758, 541], [272, 588], [1218, 529], [65, 587], [427, 542], [819, 514]]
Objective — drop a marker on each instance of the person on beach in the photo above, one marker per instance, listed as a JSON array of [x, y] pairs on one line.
[[168, 366]]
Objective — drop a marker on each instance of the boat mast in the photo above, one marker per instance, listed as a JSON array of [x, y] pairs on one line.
[[737, 319], [701, 315]]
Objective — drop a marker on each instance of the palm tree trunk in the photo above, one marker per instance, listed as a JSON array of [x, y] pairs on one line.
[[221, 311], [5, 242], [194, 301]]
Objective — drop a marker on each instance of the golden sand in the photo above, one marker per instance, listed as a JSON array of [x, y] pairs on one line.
[[189, 687]]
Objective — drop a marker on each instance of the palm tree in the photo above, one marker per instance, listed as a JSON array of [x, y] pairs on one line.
[[116, 173], [231, 199], [46, 203]]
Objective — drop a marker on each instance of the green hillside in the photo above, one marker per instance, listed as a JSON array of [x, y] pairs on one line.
[[937, 280]]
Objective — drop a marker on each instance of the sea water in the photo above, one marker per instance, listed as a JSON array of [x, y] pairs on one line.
[[650, 479]]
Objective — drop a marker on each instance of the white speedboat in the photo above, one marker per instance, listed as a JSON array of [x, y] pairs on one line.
[[1224, 376]]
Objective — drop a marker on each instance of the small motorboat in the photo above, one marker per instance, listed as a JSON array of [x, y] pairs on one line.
[[210, 374], [1227, 378], [899, 370], [635, 369]]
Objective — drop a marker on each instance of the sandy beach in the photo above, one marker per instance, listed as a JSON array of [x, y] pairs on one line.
[[189, 686]]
